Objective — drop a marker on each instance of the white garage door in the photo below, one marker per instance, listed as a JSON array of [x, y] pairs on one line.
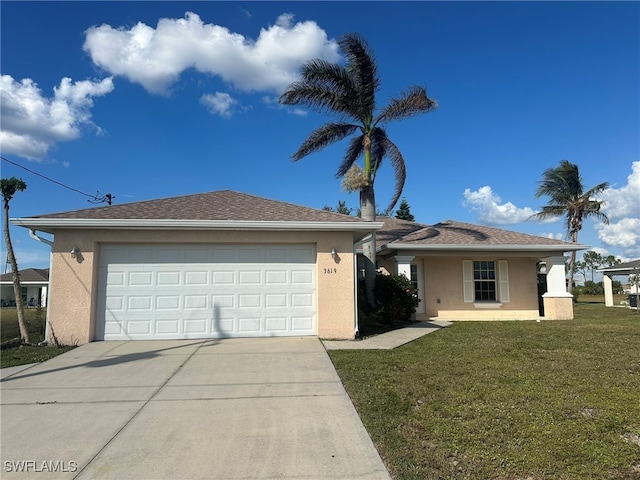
[[205, 291]]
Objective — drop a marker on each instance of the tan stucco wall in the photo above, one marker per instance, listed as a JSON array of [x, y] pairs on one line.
[[444, 289], [558, 308], [74, 281]]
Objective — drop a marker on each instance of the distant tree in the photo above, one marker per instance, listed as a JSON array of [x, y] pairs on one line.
[[349, 92], [567, 197], [592, 261], [616, 287], [610, 261], [340, 208], [404, 211], [9, 187], [581, 268]]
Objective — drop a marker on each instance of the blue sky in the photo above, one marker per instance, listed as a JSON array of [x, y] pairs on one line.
[[147, 100]]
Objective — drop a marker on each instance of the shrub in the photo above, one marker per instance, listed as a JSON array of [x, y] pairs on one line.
[[592, 288], [397, 298]]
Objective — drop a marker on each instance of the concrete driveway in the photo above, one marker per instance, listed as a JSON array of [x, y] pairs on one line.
[[218, 409]]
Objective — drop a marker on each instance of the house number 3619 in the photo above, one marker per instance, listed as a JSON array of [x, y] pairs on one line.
[[329, 271]]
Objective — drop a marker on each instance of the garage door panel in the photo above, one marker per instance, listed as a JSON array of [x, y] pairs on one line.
[[139, 303], [167, 302], [196, 326], [223, 278], [276, 300], [192, 278], [276, 277], [169, 279], [223, 301], [139, 327], [301, 324], [167, 327], [194, 291], [301, 278], [276, 324]]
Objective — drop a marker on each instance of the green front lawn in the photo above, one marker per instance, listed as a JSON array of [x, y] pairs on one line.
[[34, 353], [506, 400]]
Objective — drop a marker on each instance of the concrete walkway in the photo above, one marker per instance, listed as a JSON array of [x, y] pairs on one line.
[[222, 409], [388, 340]]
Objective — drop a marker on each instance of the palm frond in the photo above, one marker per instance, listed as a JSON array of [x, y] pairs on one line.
[[362, 68], [331, 76], [562, 183], [356, 147], [411, 102], [399, 168], [549, 211], [325, 87], [322, 136], [378, 149], [597, 190], [598, 215]]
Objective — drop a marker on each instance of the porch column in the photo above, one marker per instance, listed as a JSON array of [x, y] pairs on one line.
[[403, 265], [608, 290], [558, 303]]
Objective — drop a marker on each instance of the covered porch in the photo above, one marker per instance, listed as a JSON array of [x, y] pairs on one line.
[[622, 269]]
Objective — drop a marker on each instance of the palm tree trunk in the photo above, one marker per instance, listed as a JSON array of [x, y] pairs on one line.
[[17, 290], [368, 213], [572, 263]]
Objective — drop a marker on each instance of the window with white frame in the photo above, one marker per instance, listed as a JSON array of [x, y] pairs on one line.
[[485, 281]]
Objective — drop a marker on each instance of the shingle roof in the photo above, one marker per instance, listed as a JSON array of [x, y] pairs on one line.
[[218, 205], [630, 266], [31, 275], [452, 233]]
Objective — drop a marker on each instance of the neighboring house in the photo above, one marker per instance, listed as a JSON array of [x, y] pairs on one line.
[[228, 264], [622, 269], [34, 283]]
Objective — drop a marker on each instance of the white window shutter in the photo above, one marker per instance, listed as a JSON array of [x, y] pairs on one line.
[[467, 280], [503, 278]]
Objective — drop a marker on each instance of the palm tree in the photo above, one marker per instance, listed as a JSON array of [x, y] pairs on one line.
[[568, 198], [9, 187], [349, 92]]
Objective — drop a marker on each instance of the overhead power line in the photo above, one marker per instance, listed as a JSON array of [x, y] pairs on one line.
[[97, 198]]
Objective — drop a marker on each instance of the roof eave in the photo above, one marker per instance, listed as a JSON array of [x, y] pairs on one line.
[[483, 248], [360, 229], [619, 271]]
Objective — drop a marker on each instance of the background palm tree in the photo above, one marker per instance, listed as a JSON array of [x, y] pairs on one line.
[[349, 92], [9, 187], [564, 186]]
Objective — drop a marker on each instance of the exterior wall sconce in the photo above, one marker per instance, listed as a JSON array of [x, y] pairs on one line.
[[334, 254], [75, 251]]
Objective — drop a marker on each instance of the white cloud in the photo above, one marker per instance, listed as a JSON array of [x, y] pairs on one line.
[[30, 123], [220, 103], [554, 236], [624, 201], [623, 209], [155, 57], [491, 211], [624, 234], [299, 112]]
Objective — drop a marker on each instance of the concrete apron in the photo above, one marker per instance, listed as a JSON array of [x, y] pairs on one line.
[[218, 409]]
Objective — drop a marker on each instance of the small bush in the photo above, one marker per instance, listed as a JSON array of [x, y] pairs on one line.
[[397, 298], [590, 288]]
